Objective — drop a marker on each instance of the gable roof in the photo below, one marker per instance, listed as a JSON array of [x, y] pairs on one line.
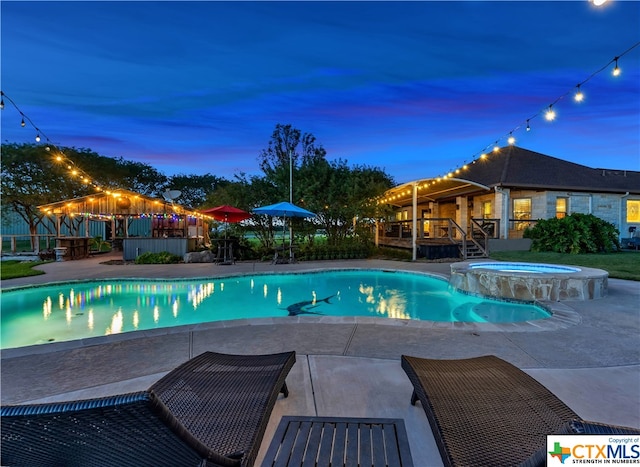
[[117, 202]]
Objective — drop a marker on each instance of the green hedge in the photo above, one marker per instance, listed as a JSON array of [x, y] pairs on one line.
[[324, 251], [164, 257], [577, 233]]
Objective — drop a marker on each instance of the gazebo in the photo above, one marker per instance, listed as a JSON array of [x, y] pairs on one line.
[[134, 222]]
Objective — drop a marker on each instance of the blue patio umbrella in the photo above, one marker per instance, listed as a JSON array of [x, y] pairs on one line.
[[284, 209]]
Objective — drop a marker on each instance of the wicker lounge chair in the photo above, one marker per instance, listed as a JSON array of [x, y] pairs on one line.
[[486, 412], [212, 410]]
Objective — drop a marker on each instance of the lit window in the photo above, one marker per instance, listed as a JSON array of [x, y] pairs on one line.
[[561, 207], [486, 209], [633, 210], [521, 213]]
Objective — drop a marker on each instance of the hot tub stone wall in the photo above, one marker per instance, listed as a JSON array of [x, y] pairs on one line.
[[586, 284]]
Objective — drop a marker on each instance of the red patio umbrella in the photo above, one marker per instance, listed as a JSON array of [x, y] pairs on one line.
[[226, 214]]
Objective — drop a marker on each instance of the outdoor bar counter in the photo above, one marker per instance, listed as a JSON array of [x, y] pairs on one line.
[[132, 247], [77, 247]]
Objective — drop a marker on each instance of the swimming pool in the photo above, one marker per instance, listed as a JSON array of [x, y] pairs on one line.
[[78, 310]]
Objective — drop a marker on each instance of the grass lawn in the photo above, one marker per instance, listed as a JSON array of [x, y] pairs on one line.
[[620, 265], [13, 268]]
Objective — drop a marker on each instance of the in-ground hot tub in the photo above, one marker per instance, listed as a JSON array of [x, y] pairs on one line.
[[529, 281]]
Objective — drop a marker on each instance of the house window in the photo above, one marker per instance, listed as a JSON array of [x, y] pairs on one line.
[[562, 205], [521, 213], [633, 210], [486, 209]]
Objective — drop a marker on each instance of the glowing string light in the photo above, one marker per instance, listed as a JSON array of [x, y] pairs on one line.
[[550, 114], [616, 69]]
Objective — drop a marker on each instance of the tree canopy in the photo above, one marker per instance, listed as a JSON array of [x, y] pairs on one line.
[[35, 174], [295, 164], [340, 195]]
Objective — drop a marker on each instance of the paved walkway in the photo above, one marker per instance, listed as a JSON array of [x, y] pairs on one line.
[[345, 366]]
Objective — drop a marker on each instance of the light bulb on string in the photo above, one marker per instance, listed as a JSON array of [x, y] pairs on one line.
[[22, 124], [37, 137], [2, 103], [550, 115], [578, 96], [511, 139], [616, 69], [528, 126]]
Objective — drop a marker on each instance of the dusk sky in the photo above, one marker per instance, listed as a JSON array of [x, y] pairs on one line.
[[415, 88]]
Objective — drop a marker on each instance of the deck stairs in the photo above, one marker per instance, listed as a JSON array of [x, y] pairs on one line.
[[474, 251]]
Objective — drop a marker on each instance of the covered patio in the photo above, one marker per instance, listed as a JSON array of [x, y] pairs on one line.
[[437, 218], [132, 222]]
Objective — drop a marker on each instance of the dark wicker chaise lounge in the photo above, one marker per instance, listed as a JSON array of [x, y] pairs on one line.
[[212, 410], [486, 412]]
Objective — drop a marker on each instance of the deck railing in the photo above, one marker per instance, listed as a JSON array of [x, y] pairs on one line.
[[26, 243]]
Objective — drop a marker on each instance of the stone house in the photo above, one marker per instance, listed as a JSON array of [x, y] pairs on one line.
[[490, 202]]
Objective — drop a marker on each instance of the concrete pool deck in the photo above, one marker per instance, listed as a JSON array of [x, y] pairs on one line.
[[345, 366]]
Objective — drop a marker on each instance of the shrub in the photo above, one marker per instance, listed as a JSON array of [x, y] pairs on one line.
[[164, 257], [577, 233], [399, 254], [347, 249]]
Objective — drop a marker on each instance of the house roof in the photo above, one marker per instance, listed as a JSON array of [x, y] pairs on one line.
[[514, 167], [118, 202], [521, 168]]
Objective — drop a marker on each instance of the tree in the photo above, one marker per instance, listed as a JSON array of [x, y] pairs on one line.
[[33, 175], [342, 197], [281, 158], [195, 188], [247, 193]]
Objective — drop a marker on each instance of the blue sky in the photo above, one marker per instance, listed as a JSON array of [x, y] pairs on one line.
[[416, 88]]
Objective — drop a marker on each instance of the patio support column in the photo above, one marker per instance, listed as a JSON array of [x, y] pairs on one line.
[[502, 208], [462, 213], [414, 221], [376, 235]]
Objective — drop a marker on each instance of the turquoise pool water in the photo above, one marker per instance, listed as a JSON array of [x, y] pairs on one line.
[[534, 268], [77, 310]]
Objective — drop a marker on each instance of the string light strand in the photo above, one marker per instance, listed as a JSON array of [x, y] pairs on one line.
[[74, 171], [549, 112]]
